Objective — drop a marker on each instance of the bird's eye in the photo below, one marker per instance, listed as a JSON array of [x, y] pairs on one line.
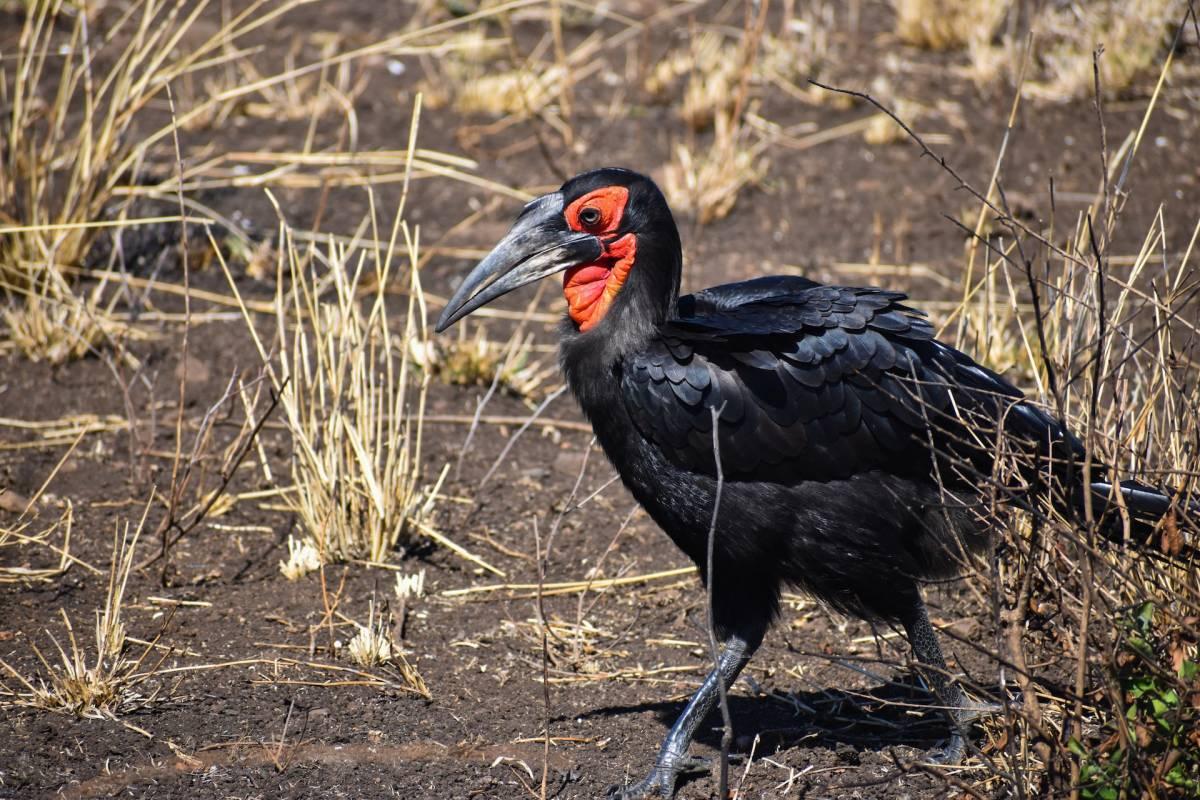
[[589, 215]]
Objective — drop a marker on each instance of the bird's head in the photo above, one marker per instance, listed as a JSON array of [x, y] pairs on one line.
[[609, 230]]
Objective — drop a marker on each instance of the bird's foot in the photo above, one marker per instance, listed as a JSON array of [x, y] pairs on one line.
[[968, 712], [661, 780], [951, 754]]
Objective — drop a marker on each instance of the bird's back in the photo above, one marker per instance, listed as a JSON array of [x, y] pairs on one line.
[[816, 382]]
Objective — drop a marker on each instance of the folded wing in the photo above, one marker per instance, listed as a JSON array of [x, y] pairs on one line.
[[817, 382]]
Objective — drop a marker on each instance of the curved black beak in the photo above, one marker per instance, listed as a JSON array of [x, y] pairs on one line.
[[539, 244]]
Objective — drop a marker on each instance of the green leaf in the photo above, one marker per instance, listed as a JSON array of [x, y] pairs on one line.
[[1145, 615]]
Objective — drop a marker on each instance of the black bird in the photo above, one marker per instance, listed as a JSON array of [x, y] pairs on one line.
[[855, 448]]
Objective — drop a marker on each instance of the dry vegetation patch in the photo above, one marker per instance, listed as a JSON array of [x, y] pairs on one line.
[[352, 398], [110, 677]]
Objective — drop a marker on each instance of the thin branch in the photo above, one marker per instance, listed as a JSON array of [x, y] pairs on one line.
[[512, 440], [1001, 215], [726, 722]]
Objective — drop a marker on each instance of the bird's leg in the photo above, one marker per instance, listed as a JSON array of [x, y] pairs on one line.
[[673, 755], [925, 646]]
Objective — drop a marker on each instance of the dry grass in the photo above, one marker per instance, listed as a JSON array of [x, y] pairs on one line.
[[58, 325], [706, 175], [1112, 346], [467, 360], [75, 136], [706, 180], [948, 24], [351, 398], [479, 70], [84, 147], [712, 81], [371, 644], [1135, 35], [101, 681], [20, 538], [972, 25], [303, 558], [300, 95]]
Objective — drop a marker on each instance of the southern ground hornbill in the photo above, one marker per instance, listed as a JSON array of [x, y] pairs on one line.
[[854, 447]]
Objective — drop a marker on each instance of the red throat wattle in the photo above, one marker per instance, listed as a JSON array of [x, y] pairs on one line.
[[591, 288]]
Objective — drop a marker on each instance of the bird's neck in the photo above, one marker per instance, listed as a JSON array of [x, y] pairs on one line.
[[591, 362], [591, 359]]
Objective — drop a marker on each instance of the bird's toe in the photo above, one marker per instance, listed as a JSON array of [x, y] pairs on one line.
[[661, 781], [651, 787], [951, 754], [693, 765]]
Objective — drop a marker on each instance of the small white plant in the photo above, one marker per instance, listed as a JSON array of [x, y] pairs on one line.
[[371, 645], [410, 586], [303, 558]]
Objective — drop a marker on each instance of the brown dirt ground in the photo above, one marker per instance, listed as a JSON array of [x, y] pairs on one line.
[[612, 700]]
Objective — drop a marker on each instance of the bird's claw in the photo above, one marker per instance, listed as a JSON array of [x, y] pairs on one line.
[[656, 784], [950, 755], [661, 780], [967, 712]]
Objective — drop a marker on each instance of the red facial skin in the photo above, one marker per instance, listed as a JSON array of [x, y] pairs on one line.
[[591, 288]]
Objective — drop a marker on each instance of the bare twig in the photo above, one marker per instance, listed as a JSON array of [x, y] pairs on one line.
[[176, 489], [512, 440], [726, 721], [926, 150], [541, 617]]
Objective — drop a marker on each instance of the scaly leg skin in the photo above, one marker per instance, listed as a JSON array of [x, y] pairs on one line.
[[673, 758], [925, 646]]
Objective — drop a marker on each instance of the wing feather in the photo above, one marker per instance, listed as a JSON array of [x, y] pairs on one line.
[[812, 382]]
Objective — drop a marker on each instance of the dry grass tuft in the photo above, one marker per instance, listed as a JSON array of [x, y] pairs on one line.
[[371, 644], [706, 182], [303, 558], [1135, 35], [352, 399], [101, 682], [480, 361], [74, 144], [712, 81], [59, 325], [467, 56], [948, 24], [511, 92]]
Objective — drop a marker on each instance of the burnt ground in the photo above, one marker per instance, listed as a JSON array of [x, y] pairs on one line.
[[821, 691]]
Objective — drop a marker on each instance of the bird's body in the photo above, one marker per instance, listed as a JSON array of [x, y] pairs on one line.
[[814, 495], [858, 455]]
